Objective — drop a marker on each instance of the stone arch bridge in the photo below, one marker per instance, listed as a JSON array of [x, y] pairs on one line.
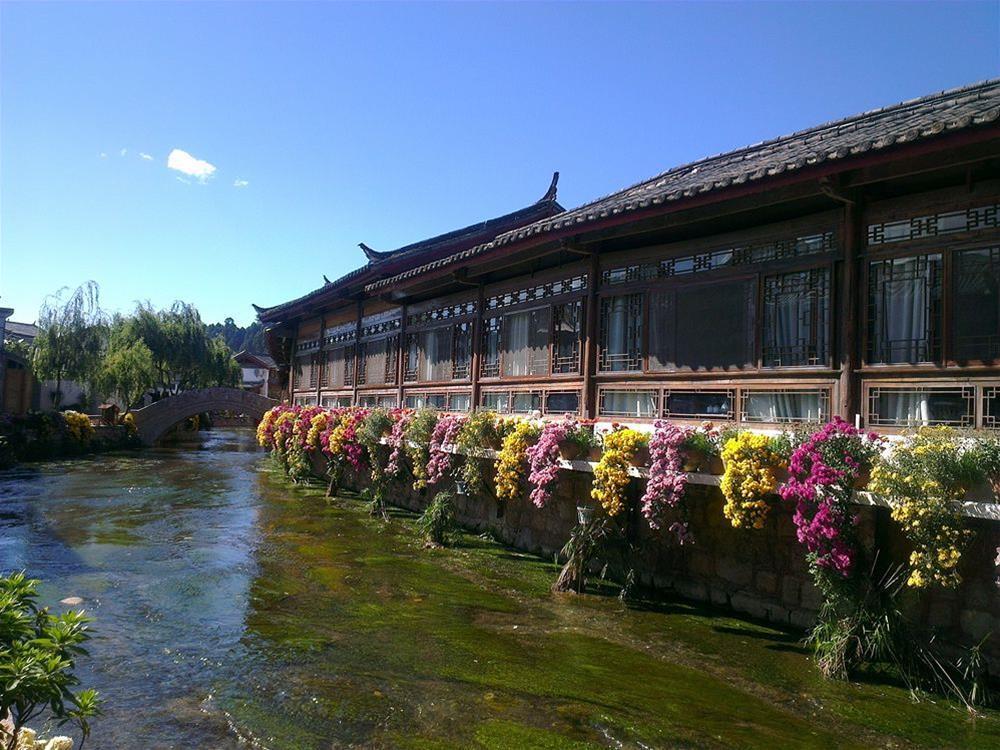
[[151, 422]]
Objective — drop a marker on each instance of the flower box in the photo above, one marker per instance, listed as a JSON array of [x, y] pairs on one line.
[[569, 450], [641, 456]]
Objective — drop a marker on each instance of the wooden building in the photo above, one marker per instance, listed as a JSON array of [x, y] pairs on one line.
[[852, 268]]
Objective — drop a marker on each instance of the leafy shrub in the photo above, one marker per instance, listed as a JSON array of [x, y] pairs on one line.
[[38, 653], [438, 522]]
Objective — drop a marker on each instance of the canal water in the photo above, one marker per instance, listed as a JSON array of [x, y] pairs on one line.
[[235, 610]]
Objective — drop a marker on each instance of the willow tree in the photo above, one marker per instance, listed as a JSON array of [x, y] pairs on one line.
[[71, 338]]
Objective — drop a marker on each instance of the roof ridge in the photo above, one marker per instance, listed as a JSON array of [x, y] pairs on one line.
[[905, 104]]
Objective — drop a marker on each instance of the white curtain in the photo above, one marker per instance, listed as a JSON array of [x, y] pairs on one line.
[[629, 403], [902, 308], [617, 333], [516, 356], [783, 407], [908, 409], [789, 313]]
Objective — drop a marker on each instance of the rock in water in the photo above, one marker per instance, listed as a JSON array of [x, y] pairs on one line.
[[72, 601]]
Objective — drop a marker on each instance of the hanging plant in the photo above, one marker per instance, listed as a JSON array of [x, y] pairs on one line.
[[478, 433], [543, 460], [510, 464], [417, 438], [397, 443], [611, 475], [749, 478], [823, 473], [375, 425], [923, 478], [667, 480], [445, 433]]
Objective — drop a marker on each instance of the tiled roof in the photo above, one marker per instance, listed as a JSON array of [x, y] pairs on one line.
[[26, 331], [915, 120], [434, 248]]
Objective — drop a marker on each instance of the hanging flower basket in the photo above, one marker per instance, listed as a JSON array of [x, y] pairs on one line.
[[569, 450]]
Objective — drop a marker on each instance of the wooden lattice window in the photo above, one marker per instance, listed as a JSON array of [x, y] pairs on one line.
[[904, 310], [628, 402], [526, 336], [934, 225], [916, 406], [621, 334], [785, 405], [461, 351], [991, 407], [492, 337], [313, 370], [976, 305], [566, 328], [797, 318], [411, 357], [699, 404]]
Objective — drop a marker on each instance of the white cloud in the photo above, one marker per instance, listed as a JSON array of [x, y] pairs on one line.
[[104, 155], [184, 163], [123, 151], [145, 156], [238, 183]]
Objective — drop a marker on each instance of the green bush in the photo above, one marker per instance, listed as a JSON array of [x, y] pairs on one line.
[[38, 653]]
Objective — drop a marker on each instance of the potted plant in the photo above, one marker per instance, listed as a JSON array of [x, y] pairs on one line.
[[700, 451]]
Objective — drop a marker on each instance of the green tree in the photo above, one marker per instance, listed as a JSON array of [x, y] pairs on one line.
[[128, 370], [38, 653], [73, 331]]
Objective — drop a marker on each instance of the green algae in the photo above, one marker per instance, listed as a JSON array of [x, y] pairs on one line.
[[474, 631]]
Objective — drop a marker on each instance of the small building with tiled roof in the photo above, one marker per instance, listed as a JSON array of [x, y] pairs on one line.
[[852, 269]]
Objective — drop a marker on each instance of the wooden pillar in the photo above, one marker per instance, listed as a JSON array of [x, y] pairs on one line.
[[321, 360], [291, 365], [848, 311], [360, 313], [400, 354], [477, 347], [590, 340]]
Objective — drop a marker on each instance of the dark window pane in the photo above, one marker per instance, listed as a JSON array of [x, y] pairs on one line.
[[976, 311], [703, 327], [714, 404], [904, 310], [462, 351], [796, 318], [562, 403], [490, 367]]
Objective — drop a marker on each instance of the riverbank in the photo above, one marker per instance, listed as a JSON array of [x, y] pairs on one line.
[[658, 662], [231, 604]]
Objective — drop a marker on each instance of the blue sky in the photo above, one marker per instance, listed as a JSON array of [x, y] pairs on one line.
[[385, 123]]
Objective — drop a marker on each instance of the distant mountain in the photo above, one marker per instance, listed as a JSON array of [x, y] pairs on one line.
[[250, 338]]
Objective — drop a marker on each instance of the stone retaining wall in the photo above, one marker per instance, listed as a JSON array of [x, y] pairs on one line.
[[757, 572]]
